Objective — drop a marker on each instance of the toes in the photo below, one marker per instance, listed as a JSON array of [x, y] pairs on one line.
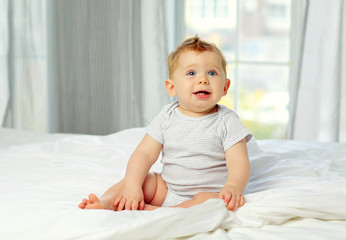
[[94, 206], [93, 198], [81, 205], [84, 203], [92, 203]]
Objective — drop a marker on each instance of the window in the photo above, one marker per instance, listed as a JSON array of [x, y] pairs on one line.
[[255, 39]]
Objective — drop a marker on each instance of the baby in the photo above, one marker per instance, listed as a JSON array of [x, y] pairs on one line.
[[203, 144]]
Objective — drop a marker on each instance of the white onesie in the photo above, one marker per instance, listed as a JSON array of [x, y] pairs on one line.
[[193, 153]]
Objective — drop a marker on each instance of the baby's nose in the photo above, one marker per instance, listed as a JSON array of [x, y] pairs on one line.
[[203, 80]]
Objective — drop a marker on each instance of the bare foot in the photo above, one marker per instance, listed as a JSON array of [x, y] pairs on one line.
[[95, 203], [92, 203]]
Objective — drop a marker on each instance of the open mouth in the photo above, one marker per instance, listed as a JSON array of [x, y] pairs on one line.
[[202, 93]]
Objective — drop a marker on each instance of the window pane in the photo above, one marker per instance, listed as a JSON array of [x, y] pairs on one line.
[[263, 99], [257, 49], [214, 21], [265, 30]]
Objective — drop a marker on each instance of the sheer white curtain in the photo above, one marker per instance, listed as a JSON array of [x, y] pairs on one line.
[[23, 64], [86, 66], [4, 88], [318, 84]]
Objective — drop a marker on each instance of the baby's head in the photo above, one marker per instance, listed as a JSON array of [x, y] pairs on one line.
[[197, 77], [193, 44]]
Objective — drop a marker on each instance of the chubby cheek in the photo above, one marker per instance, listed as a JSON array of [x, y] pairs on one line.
[[220, 89], [183, 89], [183, 97]]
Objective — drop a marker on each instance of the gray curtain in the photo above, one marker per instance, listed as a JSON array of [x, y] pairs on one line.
[[4, 88], [23, 75], [318, 83], [83, 66]]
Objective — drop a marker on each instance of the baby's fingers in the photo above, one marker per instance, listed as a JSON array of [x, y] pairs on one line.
[[232, 204], [242, 201], [236, 202], [134, 206], [117, 200], [141, 205], [121, 205], [227, 197]]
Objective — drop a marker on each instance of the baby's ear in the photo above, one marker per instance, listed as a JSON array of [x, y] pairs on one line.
[[169, 84], [226, 87]]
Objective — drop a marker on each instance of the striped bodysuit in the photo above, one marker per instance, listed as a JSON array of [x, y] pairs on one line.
[[193, 153]]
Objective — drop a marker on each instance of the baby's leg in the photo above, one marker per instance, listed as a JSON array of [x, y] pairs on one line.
[[201, 198], [197, 199], [154, 191]]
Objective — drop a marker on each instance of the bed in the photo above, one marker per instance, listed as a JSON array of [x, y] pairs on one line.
[[297, 190]]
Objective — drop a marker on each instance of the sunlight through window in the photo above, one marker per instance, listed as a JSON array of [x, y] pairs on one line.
[[255, 39]]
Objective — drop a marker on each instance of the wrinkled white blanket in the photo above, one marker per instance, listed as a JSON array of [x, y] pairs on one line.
[[297, 191]]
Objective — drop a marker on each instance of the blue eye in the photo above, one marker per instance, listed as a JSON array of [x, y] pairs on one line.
[[191, 73], [212, 73]]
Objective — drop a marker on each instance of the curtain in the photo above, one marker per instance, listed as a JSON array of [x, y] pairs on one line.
[[318, 83], [23, 64], [4, 88], [98, 66]]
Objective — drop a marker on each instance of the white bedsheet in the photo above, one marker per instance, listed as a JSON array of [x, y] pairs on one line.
[[297, 191]]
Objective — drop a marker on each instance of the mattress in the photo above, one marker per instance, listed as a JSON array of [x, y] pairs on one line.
[[297, 190]]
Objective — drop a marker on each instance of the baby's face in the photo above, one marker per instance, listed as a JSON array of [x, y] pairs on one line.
[[199, 82]]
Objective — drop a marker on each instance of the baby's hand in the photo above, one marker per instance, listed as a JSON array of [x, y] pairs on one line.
[[131, 198], [232, 196]]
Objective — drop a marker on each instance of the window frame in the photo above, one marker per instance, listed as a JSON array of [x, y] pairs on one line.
[[179, 34]]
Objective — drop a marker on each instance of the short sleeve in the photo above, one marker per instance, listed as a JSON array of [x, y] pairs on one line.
[[155, 128], [234, 130]]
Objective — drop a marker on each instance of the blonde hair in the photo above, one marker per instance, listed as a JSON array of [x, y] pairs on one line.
[[193, 44]]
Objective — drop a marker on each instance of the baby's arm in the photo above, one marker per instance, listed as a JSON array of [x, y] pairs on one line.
[[238, 166], [131, 197]]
